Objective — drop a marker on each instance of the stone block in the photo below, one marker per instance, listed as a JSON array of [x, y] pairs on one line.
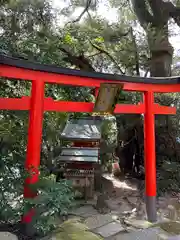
[[7, 236], [85, 211], [98, 220], [146, 234], [110, 229]]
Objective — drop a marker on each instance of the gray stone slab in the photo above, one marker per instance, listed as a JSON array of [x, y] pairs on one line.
[[85, 211], [118, 205], [98, 220], [110, 229], [174, 238], [147, 234], [132, 200], [7, 236], [141, 224]]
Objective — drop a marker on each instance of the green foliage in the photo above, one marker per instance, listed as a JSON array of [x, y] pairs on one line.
[[109, 130], [55, 199], [30, 29], [109, 141], [169, 177]]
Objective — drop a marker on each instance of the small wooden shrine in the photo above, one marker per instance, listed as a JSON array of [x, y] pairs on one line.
[[82, 157]]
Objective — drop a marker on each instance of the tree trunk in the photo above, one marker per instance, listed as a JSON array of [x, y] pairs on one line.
[[128, 143], [160, 64], [161, 51]]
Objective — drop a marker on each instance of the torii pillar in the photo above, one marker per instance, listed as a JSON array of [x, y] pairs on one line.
[[34, 142], [150, 156]]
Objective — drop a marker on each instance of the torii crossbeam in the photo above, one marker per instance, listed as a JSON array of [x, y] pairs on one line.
[[37, 103]]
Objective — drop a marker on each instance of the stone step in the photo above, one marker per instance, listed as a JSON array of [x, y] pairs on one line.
[[147, 234]]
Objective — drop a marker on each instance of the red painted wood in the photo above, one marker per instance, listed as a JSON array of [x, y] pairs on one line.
[[31, 75], [85, 144], [27, 218], [34, 136], [15, 103], [38, 104], [63, 106], [96, 91], [77, 165], [159, 109], [149, 144]]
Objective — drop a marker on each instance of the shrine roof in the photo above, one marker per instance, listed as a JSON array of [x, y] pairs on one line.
[[79, 154], [83, 129], [25, 64]]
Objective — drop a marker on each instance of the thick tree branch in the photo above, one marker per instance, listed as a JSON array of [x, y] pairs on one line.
[[174, 12], [157, 9], [140, 8], [109, 55], [79, 61], [162, 11]]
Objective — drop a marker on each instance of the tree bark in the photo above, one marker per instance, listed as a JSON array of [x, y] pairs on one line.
[[154, 19], [155, 23], [161, 51]]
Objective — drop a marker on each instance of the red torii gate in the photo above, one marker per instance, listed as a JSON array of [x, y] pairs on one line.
[[39, 74]]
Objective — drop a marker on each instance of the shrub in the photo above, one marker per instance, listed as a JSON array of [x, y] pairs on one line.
[[168, 177], [54, 200]]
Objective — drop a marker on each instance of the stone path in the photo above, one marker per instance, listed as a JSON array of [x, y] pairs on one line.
[[126, 219], [91, 225], [104, 225]]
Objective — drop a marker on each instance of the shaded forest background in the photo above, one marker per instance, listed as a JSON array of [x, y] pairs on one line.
[[76, 36]]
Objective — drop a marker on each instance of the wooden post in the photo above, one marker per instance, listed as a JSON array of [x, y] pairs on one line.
[[150, 157], [34, 142]]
